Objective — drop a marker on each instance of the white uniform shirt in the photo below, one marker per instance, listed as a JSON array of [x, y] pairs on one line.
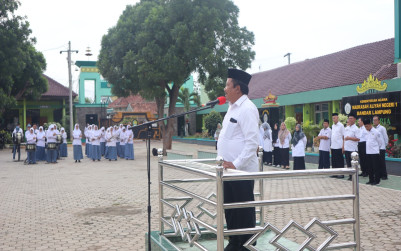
[[77, 135], [64, 137], [239, 137], [299, 149], [41, 136], [373, 141], [325, 143], [350, 145], [111, 138], [337, 134], [267, 143], [362, 134], [19, 131], [286, 143], [95, 137], [102, 135], [123, 137], [383, 133], [31, 138], [51, 136], [129, 136]]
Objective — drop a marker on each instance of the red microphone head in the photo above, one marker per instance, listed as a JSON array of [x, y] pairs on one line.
[[222, 100]]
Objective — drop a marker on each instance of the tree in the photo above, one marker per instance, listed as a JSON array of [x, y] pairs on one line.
[[21, 66], [185, 98], [157, 44]]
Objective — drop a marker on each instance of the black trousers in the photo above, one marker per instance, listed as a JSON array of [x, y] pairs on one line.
[[276, 154], [383, 168], [285, 156], [324, 159], [373, 168], [238, 191], [362, 156], [267, 157], [348, 158], [337, 158], [299, 163]]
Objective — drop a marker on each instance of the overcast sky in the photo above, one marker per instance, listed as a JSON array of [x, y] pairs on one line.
[[307, 29]]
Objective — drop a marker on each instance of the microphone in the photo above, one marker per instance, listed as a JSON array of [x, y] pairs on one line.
[[220, 101]]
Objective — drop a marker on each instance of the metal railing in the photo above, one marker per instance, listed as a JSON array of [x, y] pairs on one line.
[[215, 173]]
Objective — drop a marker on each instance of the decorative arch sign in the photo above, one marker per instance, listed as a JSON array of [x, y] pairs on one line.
[[386, 105]]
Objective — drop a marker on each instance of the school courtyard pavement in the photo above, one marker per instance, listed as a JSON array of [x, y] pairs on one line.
[[103, 205]]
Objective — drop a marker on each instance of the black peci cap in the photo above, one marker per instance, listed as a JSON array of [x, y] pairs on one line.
[[334, 114], [239, 75], [352, 114], [366, 121], [326, 120]]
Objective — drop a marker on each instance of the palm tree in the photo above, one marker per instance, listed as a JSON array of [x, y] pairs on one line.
[[185, 98]]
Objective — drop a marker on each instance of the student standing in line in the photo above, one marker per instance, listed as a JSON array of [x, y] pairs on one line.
[[129, 144], [31, 140], [324, 146], [373, 143], [276, 149], [362, 147], [95, 139], [337, 138], [351, 139], [298, 145], [63, 145], [267, 144], [383, 133], [40, 145], [77, 143], [284, 138]]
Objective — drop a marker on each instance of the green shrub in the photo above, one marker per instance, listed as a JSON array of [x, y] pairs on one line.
[[290, 123], [211, 121]]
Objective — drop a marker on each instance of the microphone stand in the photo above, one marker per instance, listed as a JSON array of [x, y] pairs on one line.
[[148, 125]]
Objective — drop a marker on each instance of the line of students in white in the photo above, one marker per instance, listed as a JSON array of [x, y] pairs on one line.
[[38, 147], [111, 143], [368, 141], [276, 143]]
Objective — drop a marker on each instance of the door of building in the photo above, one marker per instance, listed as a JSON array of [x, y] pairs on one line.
[[91, 119]]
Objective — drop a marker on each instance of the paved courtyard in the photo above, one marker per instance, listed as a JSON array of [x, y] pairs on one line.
[[102, 205]]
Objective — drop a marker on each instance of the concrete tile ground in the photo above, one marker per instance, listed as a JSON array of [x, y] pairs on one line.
[[102, 205]]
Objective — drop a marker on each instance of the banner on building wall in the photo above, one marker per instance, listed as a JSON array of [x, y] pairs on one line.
[[386, 105]]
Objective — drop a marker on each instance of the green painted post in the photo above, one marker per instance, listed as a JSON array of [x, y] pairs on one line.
[[397, 26], [289, 111]]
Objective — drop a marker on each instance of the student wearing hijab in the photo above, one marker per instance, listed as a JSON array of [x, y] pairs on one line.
[[129, 144], [284, 138], [267, 144], [217, 133], [77, 143], [63, 145], [106, 146], [95, 139], [88, 141], [298, 145], [122, 142], [111, 139], [40, 145], [118, 144], [276, 145], [102, 141], [31, 139], [51, 153]]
